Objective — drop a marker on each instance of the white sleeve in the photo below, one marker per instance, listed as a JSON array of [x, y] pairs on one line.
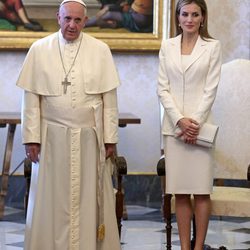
[[212, 81], [163, 89], [30, 118], [110, 117]]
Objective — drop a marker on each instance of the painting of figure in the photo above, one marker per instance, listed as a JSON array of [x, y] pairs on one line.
[[133, 15], [110, 16], [13, 14], [125, 25]]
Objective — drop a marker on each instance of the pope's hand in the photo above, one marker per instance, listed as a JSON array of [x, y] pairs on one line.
[[32, 151], [110, 149]]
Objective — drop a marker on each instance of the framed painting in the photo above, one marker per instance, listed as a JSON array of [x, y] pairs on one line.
[[119, 40]]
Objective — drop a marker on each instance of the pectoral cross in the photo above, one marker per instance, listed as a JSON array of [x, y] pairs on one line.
[[65, 84]]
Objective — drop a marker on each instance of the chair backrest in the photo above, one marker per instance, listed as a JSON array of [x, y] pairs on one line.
[[231, 111]]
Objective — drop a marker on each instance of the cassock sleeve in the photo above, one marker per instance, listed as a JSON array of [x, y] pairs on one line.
[[110, 117], [30, 118]]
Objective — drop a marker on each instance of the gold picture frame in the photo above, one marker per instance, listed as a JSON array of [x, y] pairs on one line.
[[118, 42]]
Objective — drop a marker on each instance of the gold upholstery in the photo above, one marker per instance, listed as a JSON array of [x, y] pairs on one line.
[[231, 201]]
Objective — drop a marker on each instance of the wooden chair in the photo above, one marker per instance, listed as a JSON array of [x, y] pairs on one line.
[[119, 171], [231, 112]]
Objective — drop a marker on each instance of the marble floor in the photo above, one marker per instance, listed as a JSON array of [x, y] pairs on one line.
[[143, 230]]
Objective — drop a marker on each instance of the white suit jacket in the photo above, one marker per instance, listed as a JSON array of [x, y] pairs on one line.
[[189, 92]]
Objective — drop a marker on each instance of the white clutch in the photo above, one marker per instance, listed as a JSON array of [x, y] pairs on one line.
[[207, 135]]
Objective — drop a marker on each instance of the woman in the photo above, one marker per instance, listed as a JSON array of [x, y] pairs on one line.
[[189, 74]]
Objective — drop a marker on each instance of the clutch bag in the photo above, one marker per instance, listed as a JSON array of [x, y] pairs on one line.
[[207, 135]]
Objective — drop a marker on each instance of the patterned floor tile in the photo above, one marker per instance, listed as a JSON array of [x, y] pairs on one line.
[[144, 229]]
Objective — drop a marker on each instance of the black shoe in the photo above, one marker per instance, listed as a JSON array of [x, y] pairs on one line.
[[206, 247], [33, 26]]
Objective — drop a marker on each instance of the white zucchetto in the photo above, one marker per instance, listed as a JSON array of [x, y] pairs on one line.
[[77, 1]]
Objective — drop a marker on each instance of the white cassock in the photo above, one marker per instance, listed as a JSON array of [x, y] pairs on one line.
[[71, 189]]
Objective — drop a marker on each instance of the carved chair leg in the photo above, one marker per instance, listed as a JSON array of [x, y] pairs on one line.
[[27, 175], [119, 204], [6, 167], [166, 202], [168, 218], [120, 170]]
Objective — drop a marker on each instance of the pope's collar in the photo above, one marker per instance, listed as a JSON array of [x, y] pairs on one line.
[[64, 41]]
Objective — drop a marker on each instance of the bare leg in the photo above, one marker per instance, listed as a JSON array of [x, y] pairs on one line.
[[202, 210], [184, 214], [22, 15]]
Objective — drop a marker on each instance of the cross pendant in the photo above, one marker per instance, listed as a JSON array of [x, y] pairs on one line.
[[65, 84]]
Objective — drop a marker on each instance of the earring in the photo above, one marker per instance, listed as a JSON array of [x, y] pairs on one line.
[[179, 25], [202, 25]]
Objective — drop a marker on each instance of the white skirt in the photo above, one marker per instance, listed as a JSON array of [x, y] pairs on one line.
[[189, 168]]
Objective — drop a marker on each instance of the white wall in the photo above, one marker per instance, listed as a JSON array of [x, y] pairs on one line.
[[229, 22], [10, 97], [140, 144]]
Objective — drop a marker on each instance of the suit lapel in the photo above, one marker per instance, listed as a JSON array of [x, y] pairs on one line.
[[198, 50], [175, 52]]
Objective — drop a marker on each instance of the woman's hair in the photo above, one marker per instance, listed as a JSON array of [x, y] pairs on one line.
[[203, 31]]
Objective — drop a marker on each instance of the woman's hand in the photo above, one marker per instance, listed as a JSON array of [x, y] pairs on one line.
[[189, 129]]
